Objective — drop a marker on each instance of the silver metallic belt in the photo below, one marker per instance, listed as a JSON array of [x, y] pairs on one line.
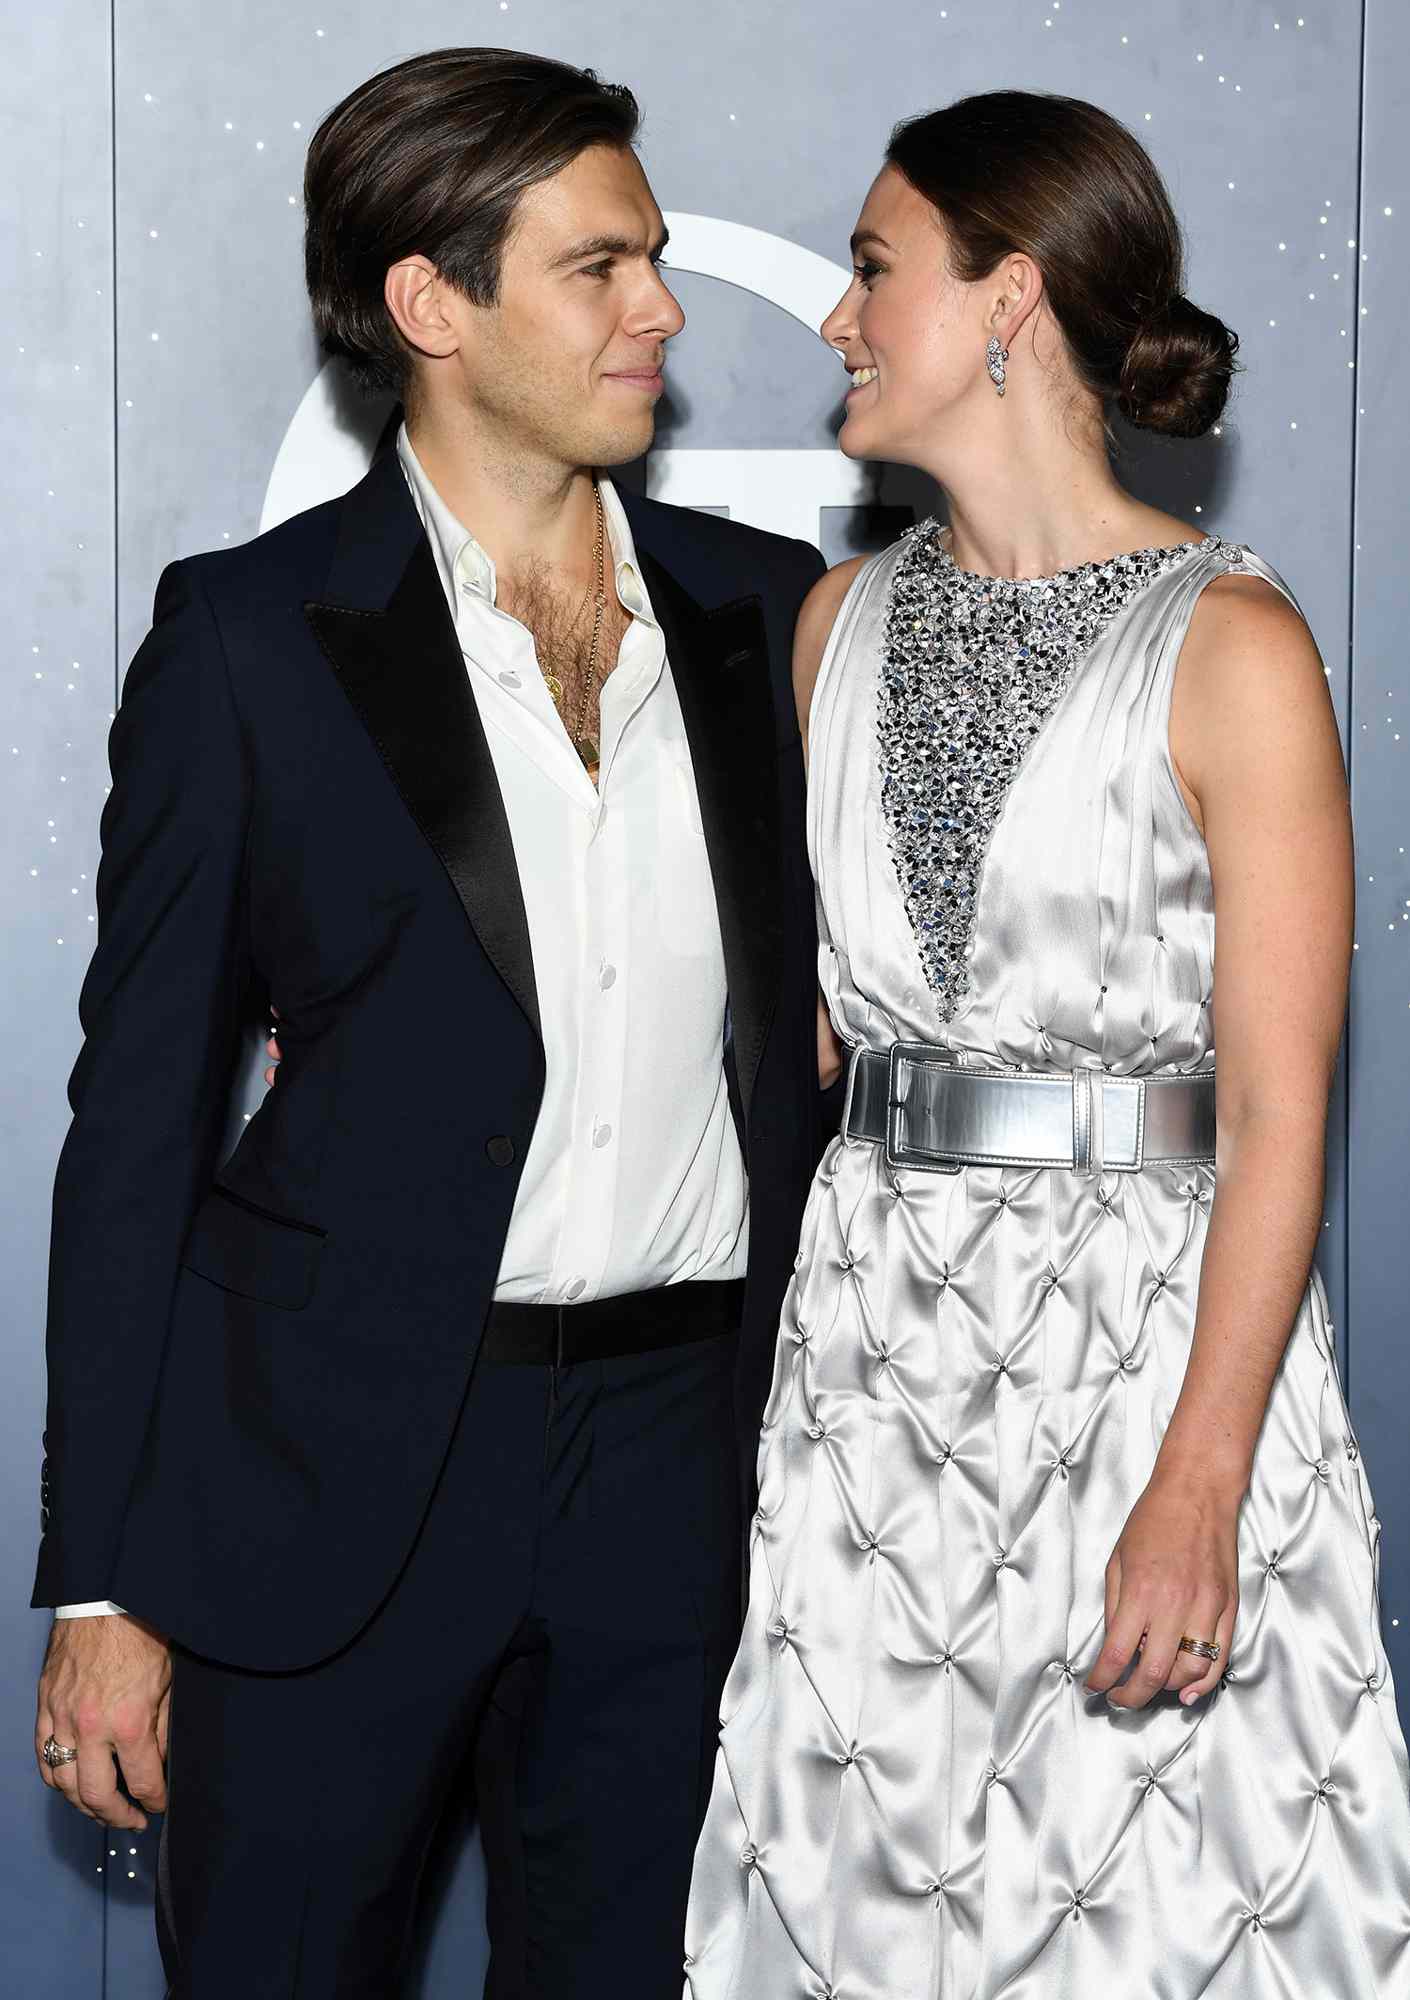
[[914, 1100]]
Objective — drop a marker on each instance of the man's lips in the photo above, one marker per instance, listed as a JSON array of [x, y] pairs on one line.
[[638, 378]]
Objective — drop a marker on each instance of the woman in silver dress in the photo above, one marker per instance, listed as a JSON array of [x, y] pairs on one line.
[[1062, 1673]]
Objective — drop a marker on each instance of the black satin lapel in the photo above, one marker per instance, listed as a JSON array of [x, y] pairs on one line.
[[403, 671], [719, 663]]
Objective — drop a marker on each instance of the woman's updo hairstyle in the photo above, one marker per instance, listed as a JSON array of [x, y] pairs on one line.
[[1071, 188]]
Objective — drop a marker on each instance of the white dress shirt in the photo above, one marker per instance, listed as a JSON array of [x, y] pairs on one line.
[[634, 1176]]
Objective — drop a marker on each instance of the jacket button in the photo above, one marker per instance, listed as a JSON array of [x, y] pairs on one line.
[[500, 1150]]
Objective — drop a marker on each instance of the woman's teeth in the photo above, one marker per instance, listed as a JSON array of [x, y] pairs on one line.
[[861, 376]]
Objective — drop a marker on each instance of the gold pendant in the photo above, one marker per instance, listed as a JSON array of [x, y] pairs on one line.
[[587, 749], [555, 689]]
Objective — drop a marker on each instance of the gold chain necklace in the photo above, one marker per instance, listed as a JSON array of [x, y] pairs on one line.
[[587, 746]]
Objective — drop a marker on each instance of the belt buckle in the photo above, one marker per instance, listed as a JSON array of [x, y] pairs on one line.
[[1137, 1161], [925, 1055]]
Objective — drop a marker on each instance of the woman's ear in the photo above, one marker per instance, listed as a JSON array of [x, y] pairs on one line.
[[1016, 287]]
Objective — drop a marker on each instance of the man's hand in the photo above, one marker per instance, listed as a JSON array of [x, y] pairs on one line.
[[104, 1691], [829, 1048]]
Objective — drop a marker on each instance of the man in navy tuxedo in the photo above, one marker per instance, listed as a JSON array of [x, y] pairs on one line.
[[405, 1447]]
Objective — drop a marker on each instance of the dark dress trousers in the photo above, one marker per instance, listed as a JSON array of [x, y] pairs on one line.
[[259, 1436]]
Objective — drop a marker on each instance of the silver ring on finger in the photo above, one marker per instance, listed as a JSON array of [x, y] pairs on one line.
[[1203, 1649], [55, 1754]]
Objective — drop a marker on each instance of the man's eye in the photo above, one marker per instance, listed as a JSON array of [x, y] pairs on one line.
[[602, 270]]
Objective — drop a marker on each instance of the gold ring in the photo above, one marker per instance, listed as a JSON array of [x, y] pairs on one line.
[[1205, 1649]]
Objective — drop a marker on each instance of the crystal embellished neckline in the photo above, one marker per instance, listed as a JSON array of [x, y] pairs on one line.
[[972, 666], [1058, 576]]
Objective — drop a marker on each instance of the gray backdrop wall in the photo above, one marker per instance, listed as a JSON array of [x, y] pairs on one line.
[[155, 352]]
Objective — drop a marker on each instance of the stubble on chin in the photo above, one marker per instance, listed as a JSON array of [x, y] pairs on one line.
[[558, 422], [619, 445]]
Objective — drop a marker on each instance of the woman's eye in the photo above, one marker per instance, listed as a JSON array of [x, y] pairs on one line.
[[866, 271]]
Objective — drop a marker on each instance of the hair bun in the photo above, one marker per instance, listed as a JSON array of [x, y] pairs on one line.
[[1177, 371]]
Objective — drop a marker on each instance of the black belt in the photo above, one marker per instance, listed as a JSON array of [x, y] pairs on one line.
[[633, 1323]]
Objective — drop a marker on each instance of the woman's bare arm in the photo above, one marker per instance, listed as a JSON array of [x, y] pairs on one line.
[[1255, 746], [815, 622], [1255, 741]]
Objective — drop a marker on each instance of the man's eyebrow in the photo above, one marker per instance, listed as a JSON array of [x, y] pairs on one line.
[[862, 236], [607, 246]]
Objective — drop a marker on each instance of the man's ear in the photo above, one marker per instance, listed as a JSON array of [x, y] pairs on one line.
[[415, 296]]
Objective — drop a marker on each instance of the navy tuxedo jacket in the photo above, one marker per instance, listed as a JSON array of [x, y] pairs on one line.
[[255, 1365]]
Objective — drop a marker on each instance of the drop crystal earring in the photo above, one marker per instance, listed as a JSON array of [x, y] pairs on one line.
[[994, 359]]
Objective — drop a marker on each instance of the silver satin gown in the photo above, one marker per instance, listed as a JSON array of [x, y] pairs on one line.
[[915, 1798]]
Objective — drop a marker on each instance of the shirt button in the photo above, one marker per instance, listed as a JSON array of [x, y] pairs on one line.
[[500, 1149], [510, 681], [607, 978], [602, 1136], [576, 1289]]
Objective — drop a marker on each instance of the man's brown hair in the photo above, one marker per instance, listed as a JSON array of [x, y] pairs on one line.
[[430, 158]]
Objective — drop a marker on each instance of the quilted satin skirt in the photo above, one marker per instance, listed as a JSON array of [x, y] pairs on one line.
[[915, 1797]]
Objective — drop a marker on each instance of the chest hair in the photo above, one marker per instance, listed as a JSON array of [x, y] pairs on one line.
[[560, 620]]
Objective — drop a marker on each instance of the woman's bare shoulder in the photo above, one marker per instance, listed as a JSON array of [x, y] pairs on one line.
[[816, 619], [1247, 644]]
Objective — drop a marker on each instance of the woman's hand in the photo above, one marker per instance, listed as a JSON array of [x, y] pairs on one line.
[[1173, 1574]]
